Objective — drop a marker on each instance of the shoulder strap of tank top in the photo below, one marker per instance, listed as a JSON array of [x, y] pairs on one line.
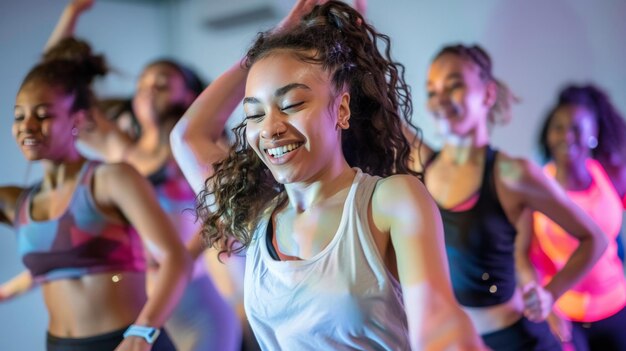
[[23, 203], [364, 192], [488, 181], [86, 173], [600, 177]]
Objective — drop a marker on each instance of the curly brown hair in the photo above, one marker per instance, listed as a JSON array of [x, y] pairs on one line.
[[336, 37]]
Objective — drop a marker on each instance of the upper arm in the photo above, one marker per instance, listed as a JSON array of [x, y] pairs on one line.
[[9, 196], [195, 154], [122, 187], [402, 207]]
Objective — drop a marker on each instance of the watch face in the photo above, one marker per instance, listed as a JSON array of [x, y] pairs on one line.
[[150, 334], [153, 335]]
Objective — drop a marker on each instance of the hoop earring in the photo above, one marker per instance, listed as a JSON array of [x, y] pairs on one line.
[[74, 131], [592, 142]]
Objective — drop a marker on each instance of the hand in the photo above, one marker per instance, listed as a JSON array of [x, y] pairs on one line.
[[144, 107], [361, 6], [133, 343], [4, 294], [561, 327], [81, 5], [299, 10], [537, 302]]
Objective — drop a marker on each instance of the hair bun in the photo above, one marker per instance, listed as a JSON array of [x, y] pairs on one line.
[[77, 52]]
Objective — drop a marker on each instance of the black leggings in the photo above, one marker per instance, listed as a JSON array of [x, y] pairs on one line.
[[102, 342], [524, 335], [607, 334]]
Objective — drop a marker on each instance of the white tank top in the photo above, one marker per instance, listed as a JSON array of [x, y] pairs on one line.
[[343, 298]]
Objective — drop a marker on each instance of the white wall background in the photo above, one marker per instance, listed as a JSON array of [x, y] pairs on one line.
[[537, 46]]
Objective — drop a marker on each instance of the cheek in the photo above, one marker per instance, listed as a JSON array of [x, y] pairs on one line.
[[14, 128], [252, 136], [552, 138]]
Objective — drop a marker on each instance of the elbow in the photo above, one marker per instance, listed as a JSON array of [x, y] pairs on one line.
[[179, 134], [598, 242], [602, 243], [181, 261]]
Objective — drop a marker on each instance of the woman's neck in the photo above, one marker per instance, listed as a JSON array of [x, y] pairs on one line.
[[573, 176], [321, 187], [460, 154], [58, 173], [152, 140], [461, 149]]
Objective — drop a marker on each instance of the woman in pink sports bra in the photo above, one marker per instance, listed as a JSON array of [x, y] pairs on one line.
[[584, 139], [73, 228]]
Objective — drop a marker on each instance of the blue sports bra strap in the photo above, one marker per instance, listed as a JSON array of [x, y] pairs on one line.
[[87, 172], [21, 205]]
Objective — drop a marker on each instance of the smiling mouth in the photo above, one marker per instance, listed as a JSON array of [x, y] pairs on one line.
[[282, 150], [30, 142]]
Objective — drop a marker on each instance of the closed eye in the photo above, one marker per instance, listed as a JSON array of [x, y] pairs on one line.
[[255, 116], [292, 106]]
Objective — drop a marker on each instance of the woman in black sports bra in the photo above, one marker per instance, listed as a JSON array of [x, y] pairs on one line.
[[482, 193]]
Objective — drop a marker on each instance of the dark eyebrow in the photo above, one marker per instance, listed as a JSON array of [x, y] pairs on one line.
[[278, 93], [284, 90], [43, 104], [451, 76], [251, 100], [455, 75]]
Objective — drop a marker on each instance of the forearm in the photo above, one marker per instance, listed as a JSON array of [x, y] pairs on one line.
[[526, 272], [169, 283], [65, 27], [580, 262], [207, 115], [436, 323], [18, 285], [197, 139]]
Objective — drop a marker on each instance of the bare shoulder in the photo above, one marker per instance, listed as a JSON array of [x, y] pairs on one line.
[[516, 173], [398, 187], [401, 199], [113, 181], [115, 172]]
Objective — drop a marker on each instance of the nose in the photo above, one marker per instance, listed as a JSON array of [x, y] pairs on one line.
[[437, 101], [570, 135], [273, 125], [29, 124]]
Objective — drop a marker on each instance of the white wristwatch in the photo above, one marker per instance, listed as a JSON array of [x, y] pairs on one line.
[[150, 334]]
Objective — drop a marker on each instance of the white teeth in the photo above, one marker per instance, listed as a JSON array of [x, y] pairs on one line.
[[30, 142], [281, 150]]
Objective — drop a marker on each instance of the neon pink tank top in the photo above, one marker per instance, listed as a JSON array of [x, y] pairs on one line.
[[602, 292]]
